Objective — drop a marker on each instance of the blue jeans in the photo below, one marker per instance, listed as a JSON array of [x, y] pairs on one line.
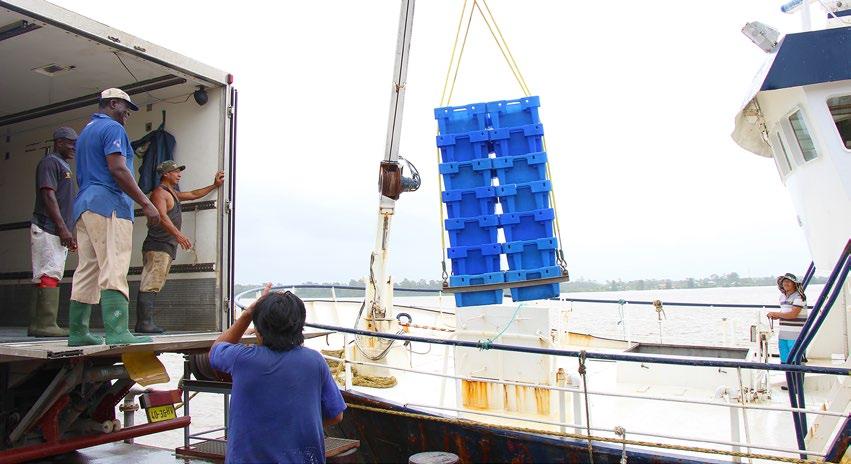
[[785, 348]]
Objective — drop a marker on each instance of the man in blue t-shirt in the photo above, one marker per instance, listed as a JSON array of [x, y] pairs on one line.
[[283, 393], [103, 213]]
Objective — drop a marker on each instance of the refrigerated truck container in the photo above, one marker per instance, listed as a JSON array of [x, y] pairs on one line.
[[53, 65]]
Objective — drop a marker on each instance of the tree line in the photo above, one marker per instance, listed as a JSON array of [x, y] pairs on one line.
[[731, 279]]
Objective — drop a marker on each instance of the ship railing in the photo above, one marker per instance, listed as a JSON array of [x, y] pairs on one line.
[[736, 409], [833, 287], [332, 288]]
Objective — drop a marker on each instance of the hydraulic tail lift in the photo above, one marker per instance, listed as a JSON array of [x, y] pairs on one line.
[[55, 399]]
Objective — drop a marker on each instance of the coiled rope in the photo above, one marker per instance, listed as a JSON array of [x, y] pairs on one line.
[[485, 344]]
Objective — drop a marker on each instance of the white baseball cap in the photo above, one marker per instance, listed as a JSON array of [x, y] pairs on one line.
[[118, 93]]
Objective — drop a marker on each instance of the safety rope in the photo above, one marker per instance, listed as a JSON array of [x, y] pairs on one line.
[[503, 47], [460, 55], [512, 63], [452, 61], [429, 327], [502, 44], [444, 101], [582, 371], [444, 274], [660, 314], [621, 316], [556, 223], [621, 432], [579, 436], [488, 342]]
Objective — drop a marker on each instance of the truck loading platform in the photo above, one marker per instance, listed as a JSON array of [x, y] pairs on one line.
[[47, 349], [57, 399]]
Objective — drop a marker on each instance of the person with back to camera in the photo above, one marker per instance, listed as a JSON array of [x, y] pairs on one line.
[[283, 393], [792, 314]]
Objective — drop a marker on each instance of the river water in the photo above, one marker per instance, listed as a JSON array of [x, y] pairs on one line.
[[706, 326]]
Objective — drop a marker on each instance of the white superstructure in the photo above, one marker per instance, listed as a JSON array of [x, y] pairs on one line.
[[799, 113]]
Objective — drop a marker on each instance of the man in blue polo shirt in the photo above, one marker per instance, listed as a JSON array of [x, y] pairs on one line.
[[103, 212]]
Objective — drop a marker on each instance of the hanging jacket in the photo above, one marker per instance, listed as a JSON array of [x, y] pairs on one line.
[[160, 147]]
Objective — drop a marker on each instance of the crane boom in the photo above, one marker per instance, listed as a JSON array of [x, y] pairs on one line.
[[379, 293]]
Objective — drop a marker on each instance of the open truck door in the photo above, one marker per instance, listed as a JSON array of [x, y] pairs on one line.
[[55, 63], [230, 248]]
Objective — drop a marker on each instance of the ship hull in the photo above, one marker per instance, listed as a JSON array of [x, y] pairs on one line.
[[387, 437]]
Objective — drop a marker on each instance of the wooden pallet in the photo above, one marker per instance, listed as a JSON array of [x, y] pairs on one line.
[[214, 449]]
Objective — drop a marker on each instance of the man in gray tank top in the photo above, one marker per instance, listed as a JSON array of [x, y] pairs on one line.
[[160, 246]]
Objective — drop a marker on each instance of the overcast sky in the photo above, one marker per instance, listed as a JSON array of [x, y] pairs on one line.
[[638, 100]]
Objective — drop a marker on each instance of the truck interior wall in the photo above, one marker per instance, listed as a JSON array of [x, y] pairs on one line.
[[191, 297]]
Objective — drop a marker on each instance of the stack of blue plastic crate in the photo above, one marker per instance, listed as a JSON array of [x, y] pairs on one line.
[[492, 153]]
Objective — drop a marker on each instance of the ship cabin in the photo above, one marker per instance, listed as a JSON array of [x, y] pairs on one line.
[[799, 114]]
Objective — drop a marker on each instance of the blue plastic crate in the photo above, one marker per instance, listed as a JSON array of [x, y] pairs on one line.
[[479, 230], [520, 169], [534, 292], [470, 202], [486, 297], [529, 225], [460, 119], [513, 113], [517, 198], [463, 147], [515, 141], [478, 259], [467, 174], [530, 254]]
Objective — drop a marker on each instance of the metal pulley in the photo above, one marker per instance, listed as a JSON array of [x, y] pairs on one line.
[[391, 179], [199, 365]]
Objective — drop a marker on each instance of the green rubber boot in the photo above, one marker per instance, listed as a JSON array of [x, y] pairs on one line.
[[115, 308], [31, 308], [46, 310], [78, 325]]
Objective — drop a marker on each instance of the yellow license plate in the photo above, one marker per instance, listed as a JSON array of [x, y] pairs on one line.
[[161, 413]]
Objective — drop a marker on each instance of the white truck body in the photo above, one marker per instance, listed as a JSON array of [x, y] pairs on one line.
[[54, 65]]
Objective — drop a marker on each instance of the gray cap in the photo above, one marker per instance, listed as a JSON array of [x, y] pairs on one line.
[[168, 166], [64, 133]]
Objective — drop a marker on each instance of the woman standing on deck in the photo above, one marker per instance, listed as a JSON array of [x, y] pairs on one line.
[[792, 314]]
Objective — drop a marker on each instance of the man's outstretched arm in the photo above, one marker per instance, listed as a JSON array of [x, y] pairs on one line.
[[218, 180]]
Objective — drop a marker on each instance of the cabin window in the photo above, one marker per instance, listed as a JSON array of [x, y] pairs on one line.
[[781, 155], [840, 109], [802, 135]]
